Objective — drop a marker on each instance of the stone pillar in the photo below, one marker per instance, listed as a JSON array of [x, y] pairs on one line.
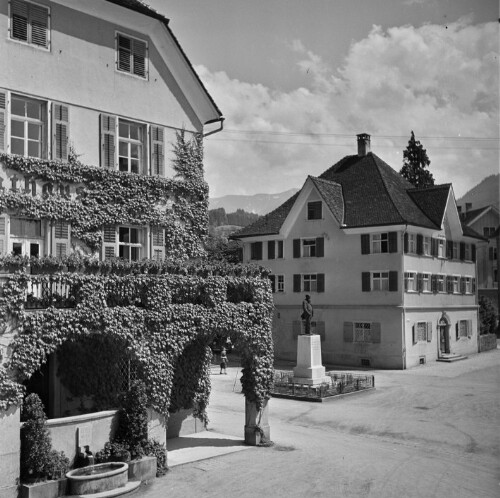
[[309, 369], [157, 426], [10, 449], [257, 428]]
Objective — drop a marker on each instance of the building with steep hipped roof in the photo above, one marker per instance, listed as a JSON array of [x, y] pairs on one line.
[[390, 269]]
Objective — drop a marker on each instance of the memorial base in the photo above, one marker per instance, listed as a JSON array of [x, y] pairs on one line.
[[309, 369]]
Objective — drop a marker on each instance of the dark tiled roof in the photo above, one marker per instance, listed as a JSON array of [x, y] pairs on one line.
[[142, 8], [432, 201], [332, 194], [363, 192], [468, 216], [270, 223]]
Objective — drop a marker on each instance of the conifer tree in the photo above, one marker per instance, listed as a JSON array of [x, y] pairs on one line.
[[188, 161], [415, 160]]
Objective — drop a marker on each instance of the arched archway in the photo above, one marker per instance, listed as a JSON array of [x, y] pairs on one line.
[[443, 328]]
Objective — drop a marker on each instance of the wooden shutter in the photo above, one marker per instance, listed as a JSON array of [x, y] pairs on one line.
[[60, 131], [449, 284], [457, 331], [473, 286], [271, 249], [429, 331], [376, 332], [405, 243], [296, 328], [280, 249], [449, 249], [109, 242], [320, 330], [3, 120], [258, 250], [414, 334], [434, 283], [272, 278], [108, 139], [348, 331], [434, 247], [406, 274], [297, 280], [39, 17], [320, 282], [365, 243], [393, 281], [157, 147], [158, 243], [296, 248], [420, 282], [61, 237], [19, 20], [473, 252], [365, 281], [320, 247], [139, 53], [393, 241], [463, 283], [420, 243], [491, 253], [3, 235], [469, 328], [462, 251]]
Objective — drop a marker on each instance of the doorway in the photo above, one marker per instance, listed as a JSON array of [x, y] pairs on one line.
[[444, 339]]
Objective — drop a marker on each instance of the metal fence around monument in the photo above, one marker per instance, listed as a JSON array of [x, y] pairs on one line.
[[339, 383]]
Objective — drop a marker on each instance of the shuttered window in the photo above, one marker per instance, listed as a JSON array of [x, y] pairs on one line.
[[158, 243], [29, 23], [157, 151], [3, 120], [3, 244], [256, 250], [108, 140], [60, 131], [131, 55]]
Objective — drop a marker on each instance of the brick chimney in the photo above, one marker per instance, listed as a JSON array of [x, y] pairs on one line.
[[468, 206], [363, 144]]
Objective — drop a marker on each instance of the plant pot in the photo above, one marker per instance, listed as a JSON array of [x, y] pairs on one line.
[[46, 489]]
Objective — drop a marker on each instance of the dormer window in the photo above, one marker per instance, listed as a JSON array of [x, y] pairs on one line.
[[315, 210], [29, 22], [131, 55]]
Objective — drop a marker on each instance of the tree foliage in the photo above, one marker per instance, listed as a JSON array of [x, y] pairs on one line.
[[415, 160], [487, 316]]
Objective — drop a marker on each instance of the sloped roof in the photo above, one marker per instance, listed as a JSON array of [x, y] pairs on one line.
[[142, 8], [364, 191], [471, 214], [332, 194]]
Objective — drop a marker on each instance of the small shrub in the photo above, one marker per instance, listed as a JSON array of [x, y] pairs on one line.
[[113, 452], [38, 459], [157, 449]]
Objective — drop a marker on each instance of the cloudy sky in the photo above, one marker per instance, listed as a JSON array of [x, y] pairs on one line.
[[297, 79]]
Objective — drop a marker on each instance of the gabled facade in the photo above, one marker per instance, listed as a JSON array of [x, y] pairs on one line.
[[102, 82], [390, 271]]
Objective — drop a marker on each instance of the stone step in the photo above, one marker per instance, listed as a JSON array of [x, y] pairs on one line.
[[452, 357]]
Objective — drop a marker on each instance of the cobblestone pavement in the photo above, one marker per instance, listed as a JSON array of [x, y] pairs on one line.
[[427, 432]]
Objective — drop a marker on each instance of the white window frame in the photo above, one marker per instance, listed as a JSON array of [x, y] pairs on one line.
[[441, 282], [146, 56], [309, 248], [29, 33], [468, 284], [131, 245], [321, 213], [25, 241], [412, 243], [362, 332], [379, 242], [141, 143], [379, 280], [280, 283], [463, 329], [441, 248], [26, 121], [456, 284], [426, 282], [426, 246], [411, 281], [310, 282]]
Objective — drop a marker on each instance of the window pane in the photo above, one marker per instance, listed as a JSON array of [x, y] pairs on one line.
[[134, 166], [33, 110], [123, 164], [134, 132], [123, 149], [123, 129], [17, 128], [135, 253], [124, 234], [33, 149], [134, 235], [124, 252], [134, 151], [17, 107], [34, 131], [17, 146]]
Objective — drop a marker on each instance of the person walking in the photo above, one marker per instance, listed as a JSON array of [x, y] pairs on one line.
[[307, 313], [223, 361]]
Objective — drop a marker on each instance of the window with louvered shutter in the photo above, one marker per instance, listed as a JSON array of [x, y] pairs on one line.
[[61, 239], [61, 230], [271, 246], [60, 250], [3, 243], [132, 55], [2, 120], [158, 243], [29, 23], [157, 148], [60, 131], [108, 140], [109, 234], [109, 252]]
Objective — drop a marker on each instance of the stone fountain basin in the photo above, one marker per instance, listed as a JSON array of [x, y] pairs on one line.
[[97, 478]]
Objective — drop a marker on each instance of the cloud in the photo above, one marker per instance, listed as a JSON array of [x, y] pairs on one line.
[[438, 81]]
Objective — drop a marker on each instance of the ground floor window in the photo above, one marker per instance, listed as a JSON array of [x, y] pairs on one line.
[[410, 281], [463, 329], [380, 280], [362, 332]]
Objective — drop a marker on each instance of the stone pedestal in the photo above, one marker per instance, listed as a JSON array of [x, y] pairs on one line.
[[309, 369], [257, 429]]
